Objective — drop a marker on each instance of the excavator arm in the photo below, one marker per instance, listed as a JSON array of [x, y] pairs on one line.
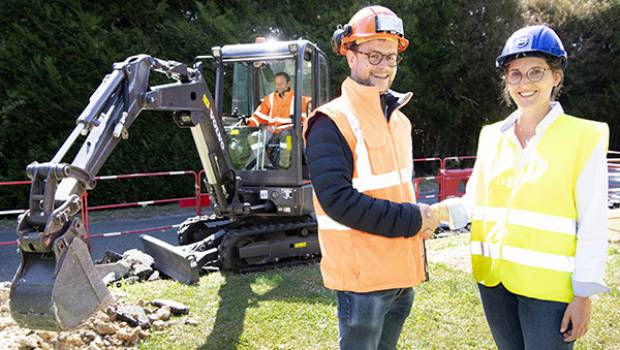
[[56, 286]]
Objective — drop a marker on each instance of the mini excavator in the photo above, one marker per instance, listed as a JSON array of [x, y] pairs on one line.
[[262, 211]]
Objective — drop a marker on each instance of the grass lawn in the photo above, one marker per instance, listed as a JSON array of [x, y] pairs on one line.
[[289, 309]]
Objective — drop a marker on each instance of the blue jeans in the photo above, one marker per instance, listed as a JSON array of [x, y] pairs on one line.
[[519, 322], [371, 321]]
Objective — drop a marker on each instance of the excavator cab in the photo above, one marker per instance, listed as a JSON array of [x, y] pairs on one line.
[[270, 155], [261, 207], [260, 138], [271, 218]]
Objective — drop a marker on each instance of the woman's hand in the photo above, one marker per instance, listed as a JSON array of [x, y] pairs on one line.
[[577, 314]]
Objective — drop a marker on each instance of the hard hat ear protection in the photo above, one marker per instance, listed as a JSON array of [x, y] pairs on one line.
[[340, 33]]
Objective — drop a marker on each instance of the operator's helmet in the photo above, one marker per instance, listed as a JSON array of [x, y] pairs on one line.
[[538, 40], [372, 22]]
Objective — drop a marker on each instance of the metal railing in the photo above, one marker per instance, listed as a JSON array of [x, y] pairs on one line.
[[197, 202]]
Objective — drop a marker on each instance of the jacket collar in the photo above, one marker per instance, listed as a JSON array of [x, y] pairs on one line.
[[396, 100], [285, 94]]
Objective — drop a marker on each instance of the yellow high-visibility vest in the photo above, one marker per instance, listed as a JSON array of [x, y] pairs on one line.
[[524, 219]]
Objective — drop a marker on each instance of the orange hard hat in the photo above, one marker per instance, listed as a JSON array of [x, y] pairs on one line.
[[371, 22]]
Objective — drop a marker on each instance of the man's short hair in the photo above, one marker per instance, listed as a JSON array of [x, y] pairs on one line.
[[285, 75]]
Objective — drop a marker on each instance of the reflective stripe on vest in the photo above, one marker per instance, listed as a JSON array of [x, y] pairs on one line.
[[523, 256], [327, 223], [526, 218], [271, 96]]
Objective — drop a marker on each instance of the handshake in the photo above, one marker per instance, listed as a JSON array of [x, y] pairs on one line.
[[431, 216], [450, 211]]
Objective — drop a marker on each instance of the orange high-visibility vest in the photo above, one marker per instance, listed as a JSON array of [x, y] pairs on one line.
[[354, 260], [276, 111]]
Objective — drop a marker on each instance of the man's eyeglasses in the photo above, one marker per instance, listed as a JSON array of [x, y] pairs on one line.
[[534, 74], [375, 58]]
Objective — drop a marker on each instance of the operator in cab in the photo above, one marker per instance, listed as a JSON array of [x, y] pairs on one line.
[[273, 116]]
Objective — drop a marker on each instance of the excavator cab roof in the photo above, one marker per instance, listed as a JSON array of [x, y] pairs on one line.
[[270, 49]]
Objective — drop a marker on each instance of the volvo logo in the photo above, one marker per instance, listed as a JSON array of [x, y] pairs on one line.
[[522, 41]]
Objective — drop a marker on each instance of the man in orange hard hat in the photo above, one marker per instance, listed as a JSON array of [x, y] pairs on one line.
[[359, 152]]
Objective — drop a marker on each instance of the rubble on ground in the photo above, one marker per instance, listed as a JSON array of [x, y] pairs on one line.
[[132, 266], [120, 326], [177, 309]]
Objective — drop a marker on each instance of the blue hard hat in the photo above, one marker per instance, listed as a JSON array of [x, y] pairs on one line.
[[533, 39]]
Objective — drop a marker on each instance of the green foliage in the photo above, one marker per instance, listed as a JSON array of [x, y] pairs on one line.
[[450, 69], [53, 55], [590, 31]]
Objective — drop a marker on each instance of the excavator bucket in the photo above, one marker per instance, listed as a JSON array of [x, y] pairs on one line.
[[57, 292]]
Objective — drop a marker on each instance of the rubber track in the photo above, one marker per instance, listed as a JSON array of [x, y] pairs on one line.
[[234, 235]]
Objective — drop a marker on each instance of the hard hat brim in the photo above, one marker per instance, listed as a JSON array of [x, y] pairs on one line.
[[402, 42]]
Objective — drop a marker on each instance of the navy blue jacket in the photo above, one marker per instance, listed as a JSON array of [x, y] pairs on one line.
[[330, 163]]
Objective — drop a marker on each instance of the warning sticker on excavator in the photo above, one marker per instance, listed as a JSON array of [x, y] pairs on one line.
[[205, 100], [300, 245]]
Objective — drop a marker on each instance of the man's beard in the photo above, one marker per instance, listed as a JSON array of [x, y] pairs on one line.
[[367, 82]]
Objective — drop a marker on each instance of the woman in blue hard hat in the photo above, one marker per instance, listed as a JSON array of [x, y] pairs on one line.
[[537, 202]]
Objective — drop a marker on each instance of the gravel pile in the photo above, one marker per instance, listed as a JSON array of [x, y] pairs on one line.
[[120, 326]]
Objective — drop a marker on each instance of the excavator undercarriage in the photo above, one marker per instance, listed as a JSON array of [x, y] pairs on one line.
[[240, 246]]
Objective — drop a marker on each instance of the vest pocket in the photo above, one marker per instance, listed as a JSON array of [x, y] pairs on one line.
[[383, 262], [381, 159]]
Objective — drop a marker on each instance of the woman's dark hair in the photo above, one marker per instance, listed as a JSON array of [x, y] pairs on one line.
[[555, 64]]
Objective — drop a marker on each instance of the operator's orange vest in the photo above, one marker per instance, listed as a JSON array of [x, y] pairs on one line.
[[354, 260], [276, 111]]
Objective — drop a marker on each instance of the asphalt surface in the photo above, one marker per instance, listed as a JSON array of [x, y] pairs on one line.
[[9, 256]]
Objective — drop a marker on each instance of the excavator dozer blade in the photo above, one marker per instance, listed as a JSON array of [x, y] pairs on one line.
[[57, 293], [182, 263]]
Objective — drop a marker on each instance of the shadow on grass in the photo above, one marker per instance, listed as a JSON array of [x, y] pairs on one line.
[[236, 296]]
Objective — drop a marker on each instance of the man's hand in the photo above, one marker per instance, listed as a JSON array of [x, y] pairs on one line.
[[577, 314], [430, 220]]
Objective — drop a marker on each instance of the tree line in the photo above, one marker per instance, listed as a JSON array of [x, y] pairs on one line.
[[54, 54]]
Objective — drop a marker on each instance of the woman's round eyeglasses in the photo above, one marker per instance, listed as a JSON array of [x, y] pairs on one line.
[[534, 74]]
